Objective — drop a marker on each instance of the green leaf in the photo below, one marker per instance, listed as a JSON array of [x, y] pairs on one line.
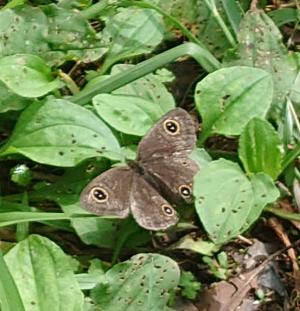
[[284, 16], [227, 202], [27, 75], [130, 33], [228, 98], [189, 284], [261, 46], [58, 132], [259, 148], [141, 283], [200, 20], [127, 114], [11, 101], [200, 156], [44, 276], [196, 245], [10, 299], [264, 192], [49, 31]]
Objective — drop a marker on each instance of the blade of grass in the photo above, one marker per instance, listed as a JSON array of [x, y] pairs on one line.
[[233, 13], [290, 157], [212, 6], [202, 56], [283, 214], [9, 295], [11, 218]]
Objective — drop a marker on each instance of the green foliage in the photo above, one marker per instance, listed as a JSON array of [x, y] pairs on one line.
[[27, 75], [228, 98], [227, 202], [80, 86], [259, 148], [125, 39], [44, 275], [10, 299], [50, 32], [189, 285], [60, 133], [260, 45], [219, 266], [141, 283], [127, 114]]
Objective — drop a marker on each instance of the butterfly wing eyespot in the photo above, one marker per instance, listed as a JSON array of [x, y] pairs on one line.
[[172, 127], [185, 191], [168, 210], [99, 194]]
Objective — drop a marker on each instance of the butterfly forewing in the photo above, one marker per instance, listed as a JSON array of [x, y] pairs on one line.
[[164, 154], [108, 194], [173, 135]]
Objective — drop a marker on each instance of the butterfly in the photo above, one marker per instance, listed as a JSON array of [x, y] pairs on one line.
[[162, 174]]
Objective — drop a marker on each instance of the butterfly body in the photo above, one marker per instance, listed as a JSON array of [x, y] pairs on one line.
[[163, 172]]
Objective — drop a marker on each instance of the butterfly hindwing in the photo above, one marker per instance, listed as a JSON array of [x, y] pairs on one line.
[[150, 210]]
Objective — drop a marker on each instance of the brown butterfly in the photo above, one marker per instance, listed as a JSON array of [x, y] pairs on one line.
[[162, 170]]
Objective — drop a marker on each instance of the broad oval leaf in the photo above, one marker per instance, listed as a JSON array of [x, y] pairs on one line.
[[27, 75], [127, 114], [132, 32], [259, 148], [261, 45], [223, 198], [49, 31], [227, 202], [228, 98], [141, 283], [44, 276], [58, 132]]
